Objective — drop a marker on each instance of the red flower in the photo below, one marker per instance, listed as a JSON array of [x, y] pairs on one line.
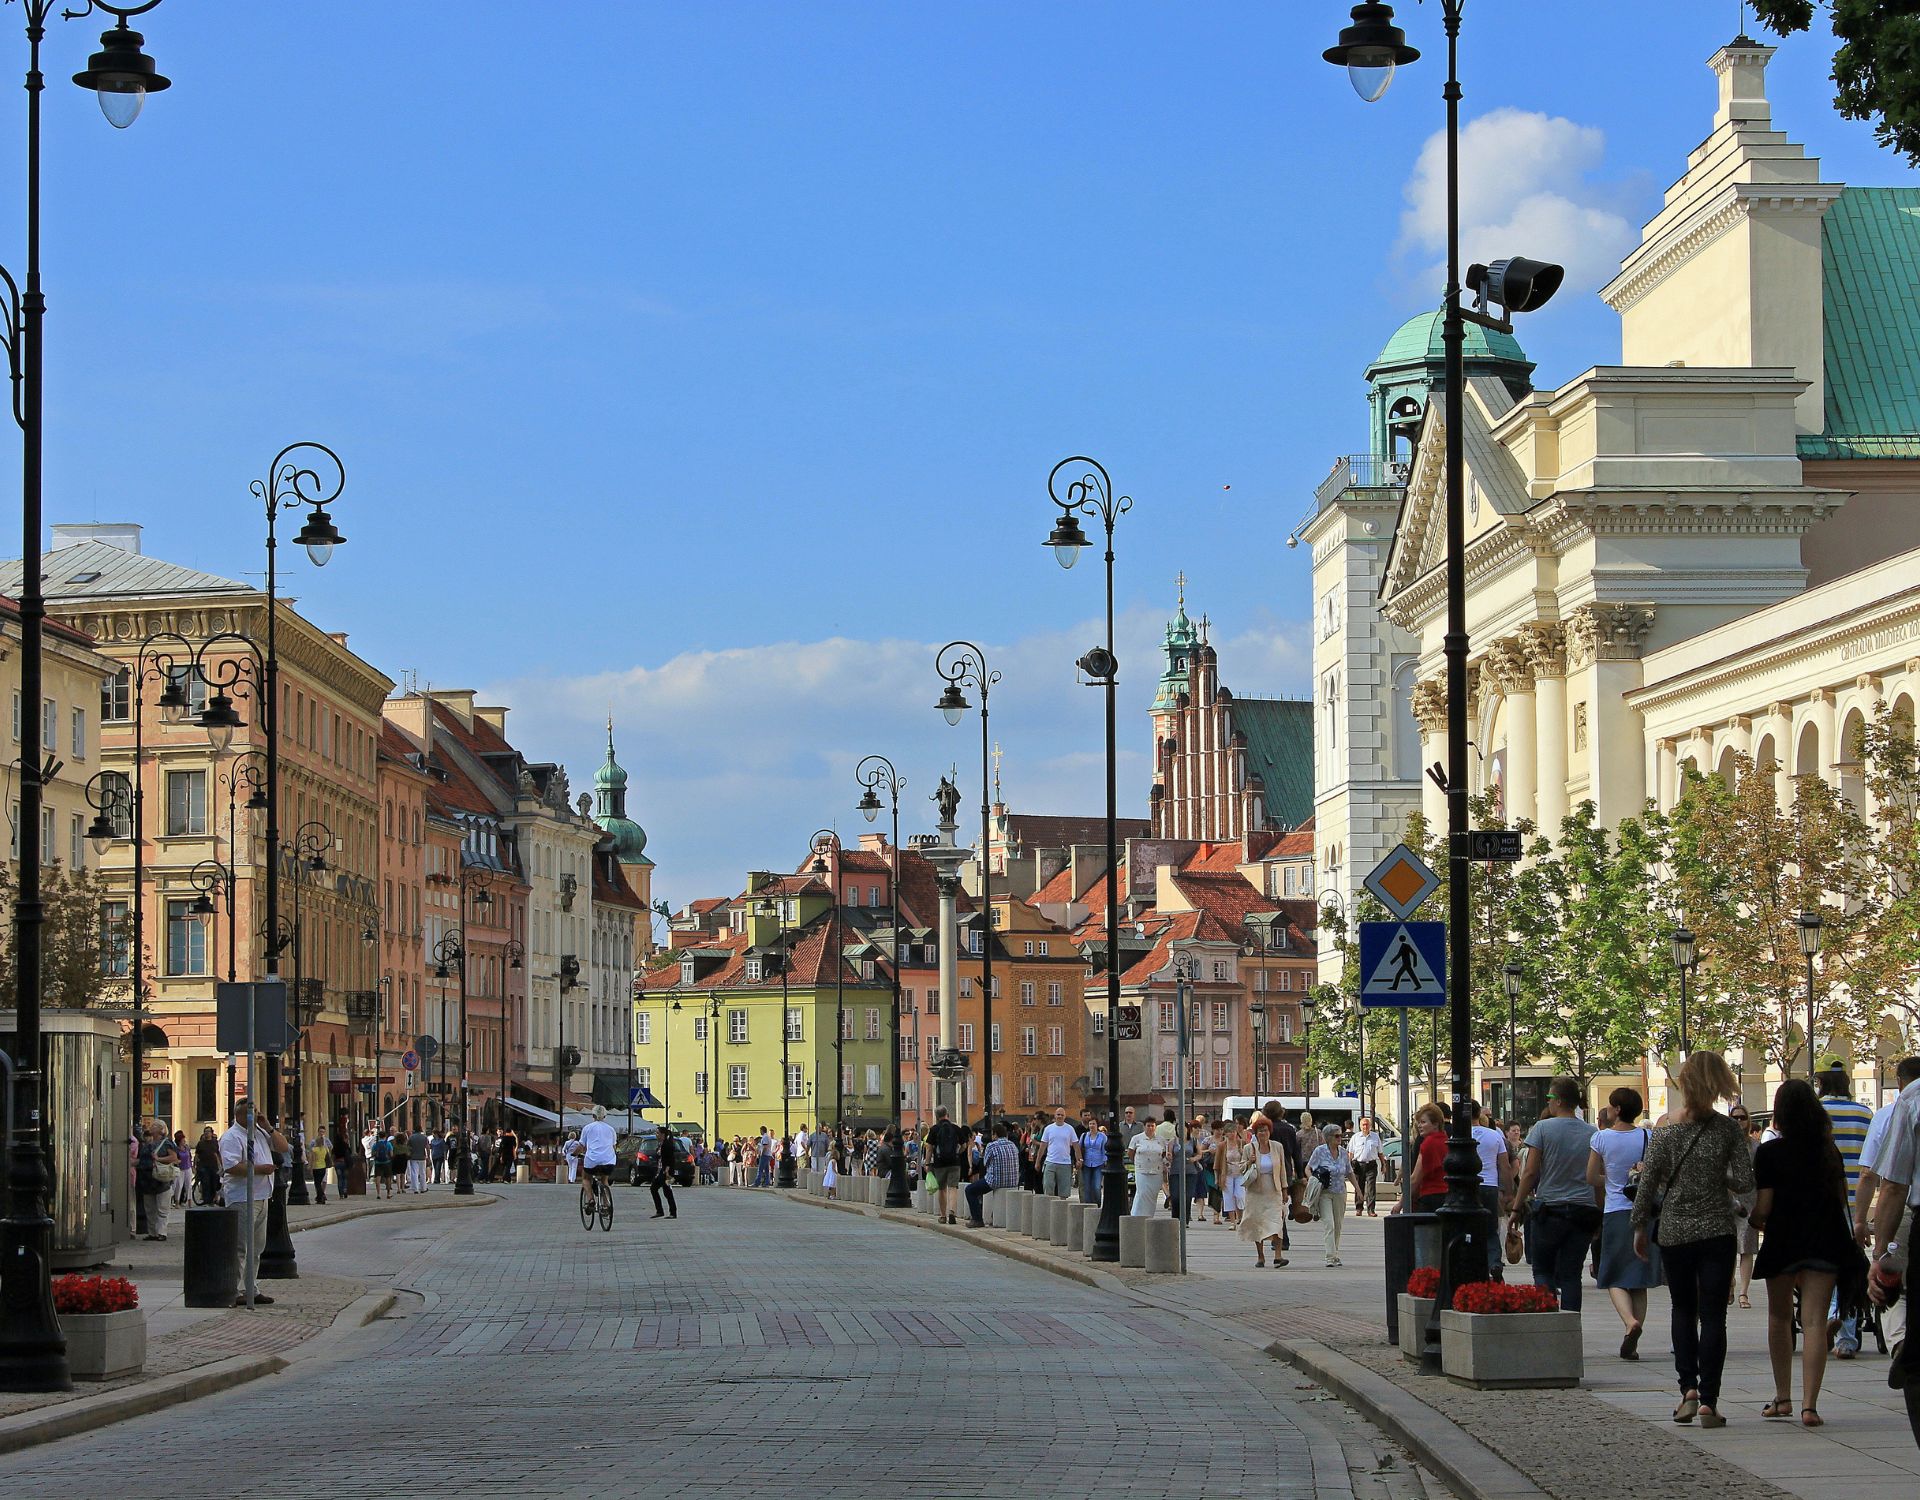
[[94, 1294], [1424, 1282], [1500, 1297]]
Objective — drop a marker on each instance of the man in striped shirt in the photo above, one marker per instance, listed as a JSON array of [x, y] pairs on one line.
[[1850, 1121]]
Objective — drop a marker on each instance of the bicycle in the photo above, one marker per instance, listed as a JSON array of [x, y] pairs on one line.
[[596, 1195], [205, 1194]]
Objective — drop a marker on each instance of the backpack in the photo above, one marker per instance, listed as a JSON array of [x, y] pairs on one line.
[[382, 1150]]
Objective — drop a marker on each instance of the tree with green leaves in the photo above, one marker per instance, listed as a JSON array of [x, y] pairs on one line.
[[74, 940], [1876, 69], [1890, 763]]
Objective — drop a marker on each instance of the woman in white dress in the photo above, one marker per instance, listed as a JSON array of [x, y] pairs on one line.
[[1232, 1157], [1149, 1154], [1265, 1216]]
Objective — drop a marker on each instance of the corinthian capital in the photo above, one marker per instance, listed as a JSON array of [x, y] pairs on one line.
[[1507, 668], [1546, 646], [1429, 703], [1607, 632]]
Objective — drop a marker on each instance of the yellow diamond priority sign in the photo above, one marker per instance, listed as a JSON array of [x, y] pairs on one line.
[[1401, 881]]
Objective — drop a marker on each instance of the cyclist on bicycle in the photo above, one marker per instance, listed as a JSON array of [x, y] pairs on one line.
[[599, 1157]]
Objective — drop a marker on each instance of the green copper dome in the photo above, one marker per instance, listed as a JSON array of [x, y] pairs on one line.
[[1418, 340], [610, 809]]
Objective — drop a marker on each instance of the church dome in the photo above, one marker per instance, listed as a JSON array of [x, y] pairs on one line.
[[1417, 342], [610, 809]]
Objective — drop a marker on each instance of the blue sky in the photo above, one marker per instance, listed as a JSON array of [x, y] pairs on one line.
[[706, 360]]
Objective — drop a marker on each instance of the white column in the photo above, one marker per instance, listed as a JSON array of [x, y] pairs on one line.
[[1550, 724], [1666, 775], [1522, 753], [1780, 727], [1430, 713], [950, 988]]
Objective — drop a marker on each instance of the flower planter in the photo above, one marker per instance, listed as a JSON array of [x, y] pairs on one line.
[[1415, 1313], [1510, 1351], [101, 1346]]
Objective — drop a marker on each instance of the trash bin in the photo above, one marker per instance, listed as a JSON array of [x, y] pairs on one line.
[[1412, 1240], [211, 1272]]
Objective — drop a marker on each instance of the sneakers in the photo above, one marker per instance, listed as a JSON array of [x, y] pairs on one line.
[[1846, 1348]]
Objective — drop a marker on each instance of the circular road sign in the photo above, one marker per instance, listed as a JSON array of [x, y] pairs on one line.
[[410, 1060]]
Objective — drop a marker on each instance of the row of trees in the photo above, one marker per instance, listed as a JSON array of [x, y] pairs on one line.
[[1587, 920]]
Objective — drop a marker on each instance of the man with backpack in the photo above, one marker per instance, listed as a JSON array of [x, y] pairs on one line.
[[383, 1162]]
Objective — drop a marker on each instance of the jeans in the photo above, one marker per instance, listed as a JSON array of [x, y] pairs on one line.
[[1058, 1179], [763, 1172], [340, 1178], [662, 1184], [1849, 1335], [1090, 1184], [319, 1184], [1559, 1251], [1364, 1174], [976, 1196], [1699, 1276]]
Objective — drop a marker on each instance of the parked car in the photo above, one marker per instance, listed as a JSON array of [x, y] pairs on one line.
[[646, 1150]]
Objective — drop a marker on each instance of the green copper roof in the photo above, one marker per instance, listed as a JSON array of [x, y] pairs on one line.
[[1870, 265], [610, 809], [1417, 341], [1279, 735]]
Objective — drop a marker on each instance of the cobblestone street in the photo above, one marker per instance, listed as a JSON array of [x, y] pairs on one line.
[[751, 1346]]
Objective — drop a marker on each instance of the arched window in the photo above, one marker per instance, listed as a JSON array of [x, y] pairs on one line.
[[1806, 760]]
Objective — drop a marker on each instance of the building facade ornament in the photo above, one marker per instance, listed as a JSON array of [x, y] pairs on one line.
[[1546, 646], [1430, 707], [1607, 632], [1508, 668]]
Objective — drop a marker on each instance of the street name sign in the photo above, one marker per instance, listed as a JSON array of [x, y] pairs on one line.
[[1401, 881], [1403, 964]]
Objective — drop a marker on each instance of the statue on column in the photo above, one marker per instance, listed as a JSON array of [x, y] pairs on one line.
[[947, 796]]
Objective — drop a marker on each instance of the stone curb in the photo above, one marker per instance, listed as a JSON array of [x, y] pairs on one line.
[[29, 1429], [1467, 1466]]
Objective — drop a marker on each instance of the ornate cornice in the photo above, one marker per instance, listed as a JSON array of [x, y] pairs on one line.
[[1607, 632], [1710, 221]]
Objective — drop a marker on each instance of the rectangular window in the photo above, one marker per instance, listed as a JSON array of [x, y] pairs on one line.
[[1286, 979], [975, 943], [973, 1089], [1099, 1023], [700, 1081], [186, 939], [906, 1002], [642, 1076], [736, 1026], [907, 1053], [1029, 1042], [206, 1093], [1056, 1088], [699, 1028], [996, 986], [796, 1081], [1056, 1041], [793, 1024], [1166, 1015], [910, 1090], [1169, 1073], [49, 725], [1286, 1025], [965, 1041], [1219, 968], [846, 1079], [1027, 947], [873, 1078], [16, 717], [116, 947], [933, 1002], [993, 1037], [1054, 996], [1029, 1090], [1099, 1078], [873, 895], [737, 1081], [1286, 1078], [186, 802], [846, 1025], [643, 1029], [1026, 992], [79, 734], [999, 1098], [1043, 947], [116, 707], [191, 683], [1219, 1015], [873, 1023], [966, 989], [1222, 1073], [755, 971], [77, 844]]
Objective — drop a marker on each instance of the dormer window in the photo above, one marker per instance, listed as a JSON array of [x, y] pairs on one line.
[[686, 971], [976, 942], [755, 970]]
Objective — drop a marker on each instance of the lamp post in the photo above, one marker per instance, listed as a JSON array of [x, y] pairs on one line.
[[516, 955], [825, 839], [1682, 942], [1810, 924], [713, 1072], [775, 907], [449, 954], [1257, 1019], [312, 842], [1511, 974], [963, 664], [33, 1351], [207, 877], [873, 773], [1370, 50], [1306, 1046], [1081, 486]]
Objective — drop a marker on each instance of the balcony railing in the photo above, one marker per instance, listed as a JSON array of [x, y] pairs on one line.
[[1360, 471]]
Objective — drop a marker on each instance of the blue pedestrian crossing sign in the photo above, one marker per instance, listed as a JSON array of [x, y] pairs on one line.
[[642, 1098], [1403, 964]]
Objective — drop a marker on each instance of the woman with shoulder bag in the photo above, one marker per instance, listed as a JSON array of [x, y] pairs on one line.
[[1265, 1180], [1231, 1159], [1684, 1206], [1327, 1171], [154, 1170], [1613, 1169]]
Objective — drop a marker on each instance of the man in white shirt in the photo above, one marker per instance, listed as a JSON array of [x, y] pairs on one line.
[[1364, 1150], [246, 1162], [597, 1153], [1893, 1321], [1496, 1178], [1062, 1143], [1896, 1163]]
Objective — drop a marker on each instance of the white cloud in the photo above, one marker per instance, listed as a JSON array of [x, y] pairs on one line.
[[736, 755], [1527, 187]]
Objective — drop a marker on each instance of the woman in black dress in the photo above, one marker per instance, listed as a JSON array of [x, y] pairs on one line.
[[1800, 1205]]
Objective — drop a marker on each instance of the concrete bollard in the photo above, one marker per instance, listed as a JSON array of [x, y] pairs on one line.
[[1089, 1226], [1061, 1211], [919, 1200], [996, 1210], [1022, 1220], [1076, 1227], [1133, 1241], [1037, 1217], [1162, 1246]]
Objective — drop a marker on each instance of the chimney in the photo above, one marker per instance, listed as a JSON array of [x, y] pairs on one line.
[[459, 702], [122, 534], [496, 718]]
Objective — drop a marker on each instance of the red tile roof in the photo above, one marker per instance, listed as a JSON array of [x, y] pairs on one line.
[[610, 882], [10, 608]]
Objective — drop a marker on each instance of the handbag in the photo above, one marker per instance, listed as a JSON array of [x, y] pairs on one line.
[[1516, 1244], [164, 1173], [1311, 1203], [1248, 1173]]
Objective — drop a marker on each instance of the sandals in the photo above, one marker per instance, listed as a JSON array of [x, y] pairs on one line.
[[1810, 1417], [1687, 1410], [1778, 1409], [1745, 1300]]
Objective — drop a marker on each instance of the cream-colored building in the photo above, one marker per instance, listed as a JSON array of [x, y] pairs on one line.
[[1709, 547]]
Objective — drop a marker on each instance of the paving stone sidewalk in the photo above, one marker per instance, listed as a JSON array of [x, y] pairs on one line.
[[1613, 1435], [183, 1339]]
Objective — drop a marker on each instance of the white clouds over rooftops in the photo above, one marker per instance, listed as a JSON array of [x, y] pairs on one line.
[[1527, 187]]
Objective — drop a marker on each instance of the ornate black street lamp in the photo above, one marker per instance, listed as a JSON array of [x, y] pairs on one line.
[[1370, 50], [825, 840], [776, 907], [1079, 486], [963, 664], [1810, 924], [875, 774], [450, 954], [515, 953], [1511, 974], [1685, 954], [33, 1351], [312, 842]]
